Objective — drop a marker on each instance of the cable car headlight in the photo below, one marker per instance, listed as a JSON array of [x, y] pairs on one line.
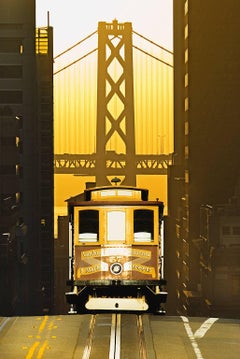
[[116, 268]]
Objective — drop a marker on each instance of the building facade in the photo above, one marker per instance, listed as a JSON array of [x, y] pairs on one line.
[[10, 128], [219, 248], [26, 163], [206, 115]]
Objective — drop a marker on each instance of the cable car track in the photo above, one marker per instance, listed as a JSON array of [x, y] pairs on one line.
[[142, 342], [115, 337], [88, 346], [115, 344]]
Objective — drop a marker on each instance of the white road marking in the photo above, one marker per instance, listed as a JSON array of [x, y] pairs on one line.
[[192, 338], [204, 328], [5, 320], [200, 332]]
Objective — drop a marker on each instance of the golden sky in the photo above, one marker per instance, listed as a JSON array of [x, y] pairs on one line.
[[74, 19]]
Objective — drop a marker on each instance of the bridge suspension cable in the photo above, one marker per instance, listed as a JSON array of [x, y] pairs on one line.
[[152, 42], [76, 110], [154, 57], [92, 51], [77, 60], [75, 45]]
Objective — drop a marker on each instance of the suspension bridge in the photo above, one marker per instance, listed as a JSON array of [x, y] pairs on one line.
[[113, 109]]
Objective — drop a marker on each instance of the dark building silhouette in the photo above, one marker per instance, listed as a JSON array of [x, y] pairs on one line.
[[26, 160], [61, 266], [219, 247], [10, 128], [204, 269]]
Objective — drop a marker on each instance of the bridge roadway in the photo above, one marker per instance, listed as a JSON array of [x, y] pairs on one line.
[[84, 164], [115, 336]]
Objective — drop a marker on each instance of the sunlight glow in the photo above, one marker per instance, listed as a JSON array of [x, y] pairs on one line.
[[75, 88], [76, 104], [73, 19]]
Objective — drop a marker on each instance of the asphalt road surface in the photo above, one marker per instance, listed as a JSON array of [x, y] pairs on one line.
[[118, 336]]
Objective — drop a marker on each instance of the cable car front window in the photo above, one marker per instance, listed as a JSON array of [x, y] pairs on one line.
[[143, 225], [116, 226], [88, 226]]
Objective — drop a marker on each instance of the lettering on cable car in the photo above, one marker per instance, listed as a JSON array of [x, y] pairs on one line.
[[141, 253], [144, 269], [91, 254], [88, 270]]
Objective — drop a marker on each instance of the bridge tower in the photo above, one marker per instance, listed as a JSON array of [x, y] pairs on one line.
[[115, 103]]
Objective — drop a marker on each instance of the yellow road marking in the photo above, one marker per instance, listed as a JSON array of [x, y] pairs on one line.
[[38, 336], [41, 350], [32, 350], [50, 326], [43, 324]]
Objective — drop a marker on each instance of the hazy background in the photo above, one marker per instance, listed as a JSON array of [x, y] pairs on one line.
[[73, 20]]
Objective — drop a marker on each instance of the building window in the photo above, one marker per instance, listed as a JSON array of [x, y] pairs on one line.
[[236, 231], [11, 27], [11, 97], [186, 56], [185, 271], [43, 222], [46, 107], [17, 141], [8, 142], [11, 71], [236, 286], [225, 230], [186, 32], [10, 44], [6, 110], [178, 230], [17, 170], [18, 197], [7, 170], [186, 7], [42, 41], [185, 247]]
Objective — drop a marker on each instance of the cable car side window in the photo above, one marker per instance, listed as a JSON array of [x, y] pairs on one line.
[[143, 225], [88, 226]]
